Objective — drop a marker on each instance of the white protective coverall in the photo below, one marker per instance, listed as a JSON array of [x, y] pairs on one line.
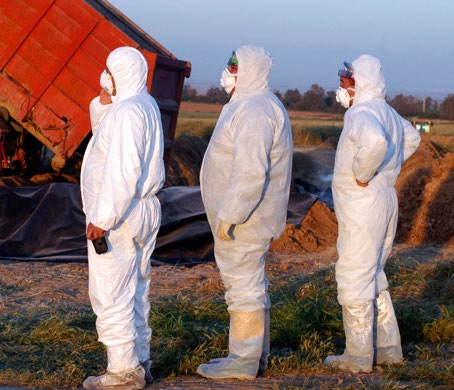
[[122, 171], [245, 181], [374, 143]]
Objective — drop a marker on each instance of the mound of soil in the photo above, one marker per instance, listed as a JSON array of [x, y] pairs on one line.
[[425, 188], [426, 214], [316, 233]]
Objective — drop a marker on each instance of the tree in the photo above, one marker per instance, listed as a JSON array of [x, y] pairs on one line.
[[447, 107], [406, 105], [317, 100], [279, 95], [189, 94], [291, 98], [216, 95], [313, 99], [331, 103], [398, 103]]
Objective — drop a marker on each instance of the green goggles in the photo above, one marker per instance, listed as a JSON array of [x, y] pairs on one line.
[[233, 61]]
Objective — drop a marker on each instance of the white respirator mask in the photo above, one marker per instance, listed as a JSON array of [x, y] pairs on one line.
[[106, 82], [228, 80], [343, 97]]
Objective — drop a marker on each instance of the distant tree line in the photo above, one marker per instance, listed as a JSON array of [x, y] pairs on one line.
[[317, 100]]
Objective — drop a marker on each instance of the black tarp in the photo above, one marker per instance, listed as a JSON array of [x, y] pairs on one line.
[[47, 223]]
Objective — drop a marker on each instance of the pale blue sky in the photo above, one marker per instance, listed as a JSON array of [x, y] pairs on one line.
[[309, 40]]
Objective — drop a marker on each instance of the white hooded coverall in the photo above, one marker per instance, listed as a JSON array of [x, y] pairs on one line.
[[374, 143], [245, 180], [121, 172]]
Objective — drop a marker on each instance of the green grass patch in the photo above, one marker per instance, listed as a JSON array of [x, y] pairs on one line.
[[443, 128], [197, 128], [59, 348], [308, 135], [187, 115], [304, 131]]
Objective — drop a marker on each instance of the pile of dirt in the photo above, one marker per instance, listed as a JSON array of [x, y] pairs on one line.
[[425, 188], [317, 232], [426, 215]]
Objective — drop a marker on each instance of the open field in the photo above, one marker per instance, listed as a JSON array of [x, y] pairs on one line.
[[199, 119]]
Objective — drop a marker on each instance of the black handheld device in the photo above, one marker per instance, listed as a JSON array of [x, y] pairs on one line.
[[100, 245]]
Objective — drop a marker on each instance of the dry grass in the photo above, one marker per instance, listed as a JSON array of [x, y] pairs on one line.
[[309, 128]]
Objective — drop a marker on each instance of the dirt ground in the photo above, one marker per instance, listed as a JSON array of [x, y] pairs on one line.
[[425, 232]]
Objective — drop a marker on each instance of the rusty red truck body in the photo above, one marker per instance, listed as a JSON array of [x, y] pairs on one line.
[[52, 53]]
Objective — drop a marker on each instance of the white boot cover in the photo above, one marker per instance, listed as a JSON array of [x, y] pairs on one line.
[[245, 348], [123, 370], [388, 345], [121, 358], [263, 364], [127, 380], [359, 351]]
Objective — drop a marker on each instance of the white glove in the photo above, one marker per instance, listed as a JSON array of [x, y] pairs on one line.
[[223, 231]]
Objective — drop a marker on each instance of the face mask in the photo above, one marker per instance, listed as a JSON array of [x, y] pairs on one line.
[[106, 82], [343, 97], [228, 81]]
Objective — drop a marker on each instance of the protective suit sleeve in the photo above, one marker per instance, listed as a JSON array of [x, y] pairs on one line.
[[412, 138], [368, 136], [253, 134], [122, 169], [97, 113]]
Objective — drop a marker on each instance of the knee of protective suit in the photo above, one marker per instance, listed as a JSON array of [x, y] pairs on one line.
[[246, 293], [257, 300], [355, 289]]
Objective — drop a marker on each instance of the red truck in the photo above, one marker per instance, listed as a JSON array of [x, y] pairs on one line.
[[51, 55]]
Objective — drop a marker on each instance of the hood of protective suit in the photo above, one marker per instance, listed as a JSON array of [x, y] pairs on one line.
[[254, 67], [369, 80], [129, 70]]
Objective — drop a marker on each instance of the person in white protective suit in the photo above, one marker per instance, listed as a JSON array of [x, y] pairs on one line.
[[122, 171], [245, 182], [374, 143]]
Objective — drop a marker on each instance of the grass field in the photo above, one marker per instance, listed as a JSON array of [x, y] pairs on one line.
[[308, 128]]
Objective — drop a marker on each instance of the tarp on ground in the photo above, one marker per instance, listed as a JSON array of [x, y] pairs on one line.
[[47, 223]]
